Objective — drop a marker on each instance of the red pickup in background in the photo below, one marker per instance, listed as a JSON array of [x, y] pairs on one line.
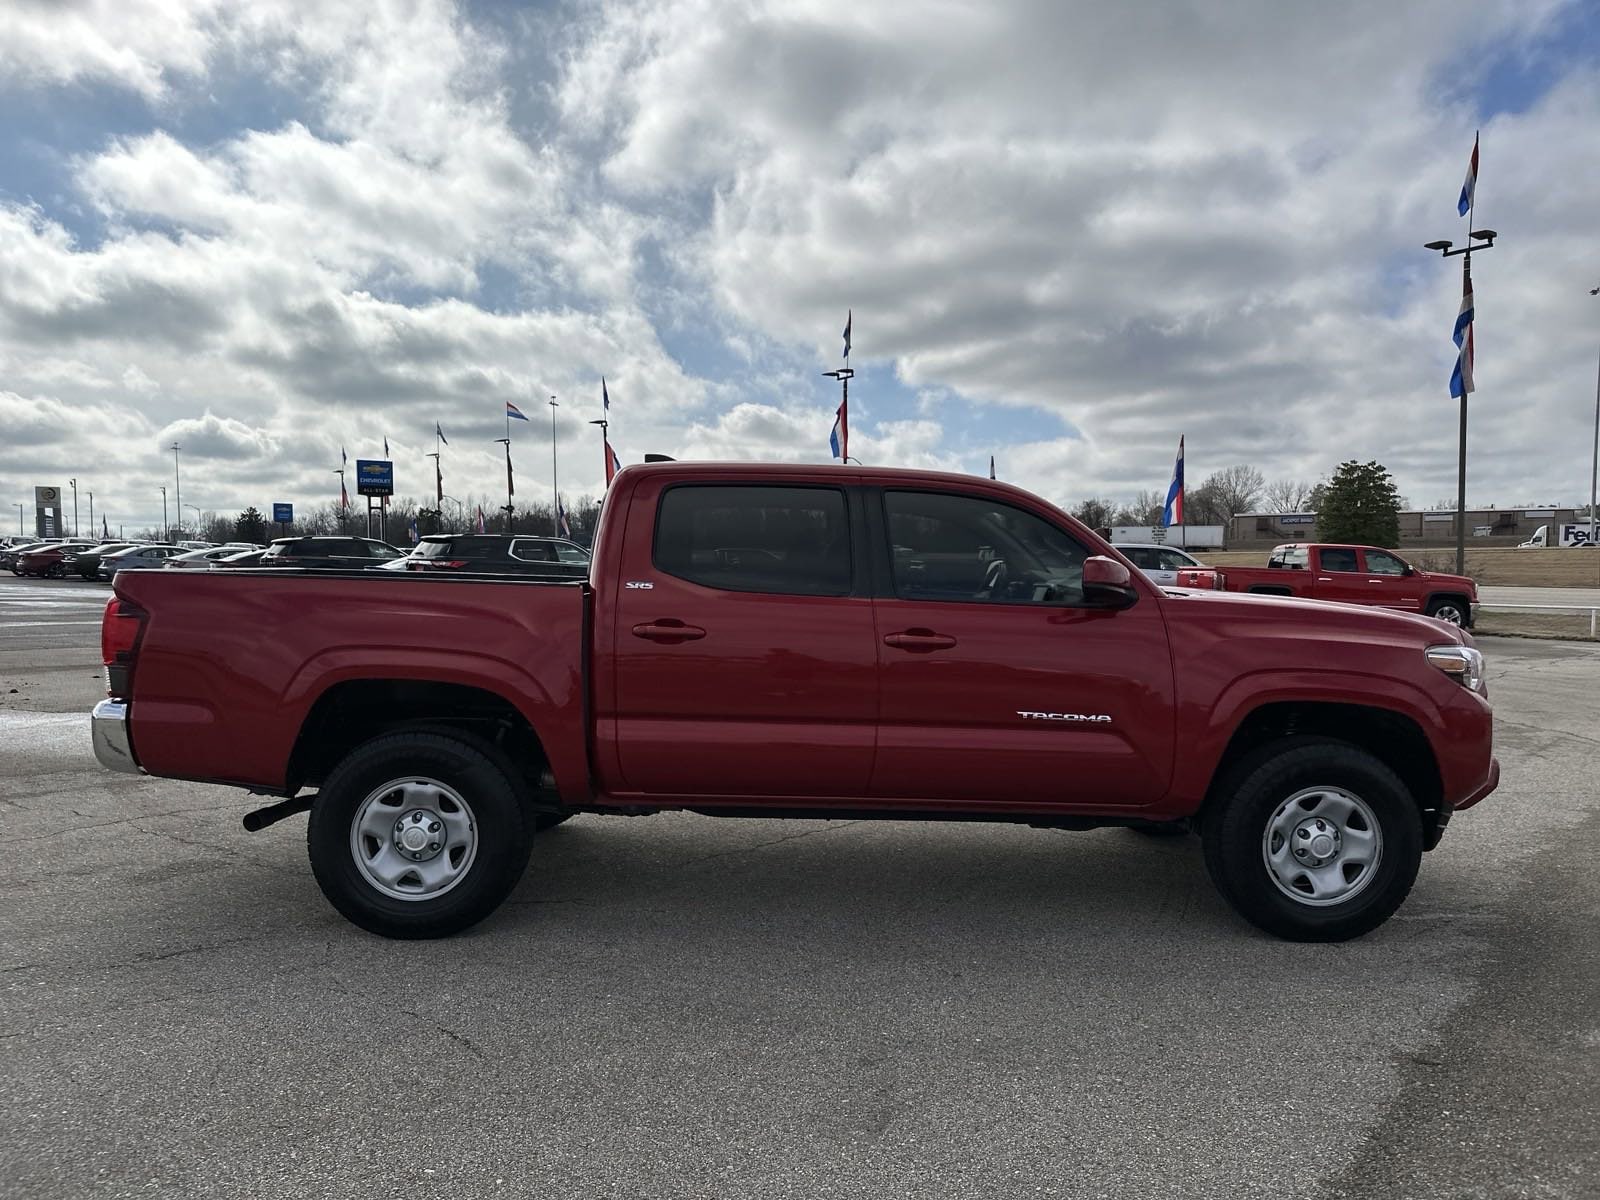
[[1357, 575], [791, 641]]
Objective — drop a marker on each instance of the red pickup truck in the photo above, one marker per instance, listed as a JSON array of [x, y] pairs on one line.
[[1357, 575], [789, 641]]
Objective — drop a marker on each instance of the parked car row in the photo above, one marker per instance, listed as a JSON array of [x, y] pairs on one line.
[[499, 554]]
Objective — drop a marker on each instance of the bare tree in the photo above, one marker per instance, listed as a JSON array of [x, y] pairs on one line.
[[1094, 512], [1147, 509], [1287, 495], [1224, 493]]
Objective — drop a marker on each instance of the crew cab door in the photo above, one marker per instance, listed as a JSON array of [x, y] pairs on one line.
[[999, 685], [1388, 583], [1337, 575], [744, 653]]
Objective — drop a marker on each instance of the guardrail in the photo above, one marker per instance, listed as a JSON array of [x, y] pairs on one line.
[[1591, 609]]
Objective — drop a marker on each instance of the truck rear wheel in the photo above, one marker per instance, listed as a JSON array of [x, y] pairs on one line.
[[418, 835], [1314, 841]]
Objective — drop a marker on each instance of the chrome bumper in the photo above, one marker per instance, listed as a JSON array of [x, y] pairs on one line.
[[108, 725]]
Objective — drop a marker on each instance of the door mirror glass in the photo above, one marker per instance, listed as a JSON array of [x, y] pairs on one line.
[[1107, 583]]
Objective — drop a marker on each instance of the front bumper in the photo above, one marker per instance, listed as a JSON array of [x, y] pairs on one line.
[[1489, 785], [108, 729]]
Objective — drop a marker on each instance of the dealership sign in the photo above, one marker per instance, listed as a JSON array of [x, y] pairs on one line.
[[374, 477]]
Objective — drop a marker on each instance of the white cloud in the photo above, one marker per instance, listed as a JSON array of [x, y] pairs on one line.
[[1140, 220]]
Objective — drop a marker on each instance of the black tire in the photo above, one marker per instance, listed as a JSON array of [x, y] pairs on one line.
[[483, 778], [55, 571], [1452, 609], [1250, 794]]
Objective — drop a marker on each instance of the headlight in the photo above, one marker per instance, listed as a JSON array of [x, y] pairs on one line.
[[1461, 663]]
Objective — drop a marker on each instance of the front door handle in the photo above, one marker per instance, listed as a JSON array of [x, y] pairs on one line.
[[668, 631], [919, 641]]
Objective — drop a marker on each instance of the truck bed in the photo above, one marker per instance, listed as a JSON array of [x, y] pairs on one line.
[[232, 662]]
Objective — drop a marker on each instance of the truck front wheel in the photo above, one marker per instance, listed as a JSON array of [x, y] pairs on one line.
[[1314, 841], [418, 835], [1448, 608]]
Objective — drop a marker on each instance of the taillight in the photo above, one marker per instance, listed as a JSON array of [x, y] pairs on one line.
[[120, 630]]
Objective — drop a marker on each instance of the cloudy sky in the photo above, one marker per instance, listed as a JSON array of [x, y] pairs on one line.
[[1069, 233]]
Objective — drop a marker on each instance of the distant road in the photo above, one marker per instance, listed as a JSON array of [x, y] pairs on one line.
[[1585, 596]]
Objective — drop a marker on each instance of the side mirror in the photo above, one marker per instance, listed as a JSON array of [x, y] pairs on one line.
[[1410, 570], [1107, 583]]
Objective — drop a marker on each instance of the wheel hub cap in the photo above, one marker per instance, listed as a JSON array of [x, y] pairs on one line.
[[420, 834], [413, 838], [1322, 846]]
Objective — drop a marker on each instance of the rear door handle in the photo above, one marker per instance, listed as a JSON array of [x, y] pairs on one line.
[[668, 631], [919, 641]]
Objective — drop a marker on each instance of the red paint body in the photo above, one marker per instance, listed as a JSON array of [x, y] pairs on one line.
[[702, 698], [1328, 576]]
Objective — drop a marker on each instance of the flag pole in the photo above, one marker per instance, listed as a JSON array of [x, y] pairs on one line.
[[555, 478]]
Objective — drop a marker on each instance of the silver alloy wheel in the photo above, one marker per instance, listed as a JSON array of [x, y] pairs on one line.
[[414, 838], [1322, 846], [1450, 613]]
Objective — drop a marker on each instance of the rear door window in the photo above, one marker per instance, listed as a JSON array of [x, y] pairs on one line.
[[1339, 558], [531, 551], [753, 538]]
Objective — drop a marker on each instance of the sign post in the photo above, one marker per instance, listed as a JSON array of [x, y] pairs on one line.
[[283, 514], [375, 480], [47, 511]]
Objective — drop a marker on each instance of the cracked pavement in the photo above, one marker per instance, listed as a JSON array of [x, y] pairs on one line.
[[679, 1006]]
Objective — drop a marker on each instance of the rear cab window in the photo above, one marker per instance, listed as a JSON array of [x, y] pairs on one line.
[[756, 538], [1289, 558], [1341, 559]]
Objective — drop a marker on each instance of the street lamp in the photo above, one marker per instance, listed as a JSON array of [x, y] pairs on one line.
[[196, 518], [1485, 239], [555, 478], [20, 507], [91, 514], [177, 485], [74, 484], [1594, 470]]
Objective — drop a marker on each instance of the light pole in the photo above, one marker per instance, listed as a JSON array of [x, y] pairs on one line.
[[196, 519], [1486, 236], [177, 483], [1594, 470], [511, 488], [20, 507], [74, 484], [555, 478], [91, 515], [844, 375], [166, 529]]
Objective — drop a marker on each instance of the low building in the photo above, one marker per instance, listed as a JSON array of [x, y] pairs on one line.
[[1485, 527]]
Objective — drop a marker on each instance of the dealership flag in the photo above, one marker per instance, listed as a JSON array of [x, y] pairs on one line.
[[1174, 511], [386, 445], [513, 413], [613, 464], [415, 536], [344, 459], [562, 527], [1461, 377], [1464, 205], [344, 496], [439, 433], [105, 530], [480, 518], [849, 317], [839, 439], [991, 466], [605, 397]]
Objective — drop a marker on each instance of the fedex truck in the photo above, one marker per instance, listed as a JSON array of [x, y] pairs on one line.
[[1566, 537]]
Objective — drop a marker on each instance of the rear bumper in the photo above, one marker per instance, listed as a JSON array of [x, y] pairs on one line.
[[108, 729]]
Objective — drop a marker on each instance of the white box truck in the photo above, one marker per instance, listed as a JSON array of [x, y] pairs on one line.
[[1186, 537]]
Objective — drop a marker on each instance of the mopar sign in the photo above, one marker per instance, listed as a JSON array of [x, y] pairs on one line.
[[374, 477], [283, 513]]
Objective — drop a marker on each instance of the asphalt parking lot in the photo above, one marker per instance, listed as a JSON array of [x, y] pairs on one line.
[[676, 1006]]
